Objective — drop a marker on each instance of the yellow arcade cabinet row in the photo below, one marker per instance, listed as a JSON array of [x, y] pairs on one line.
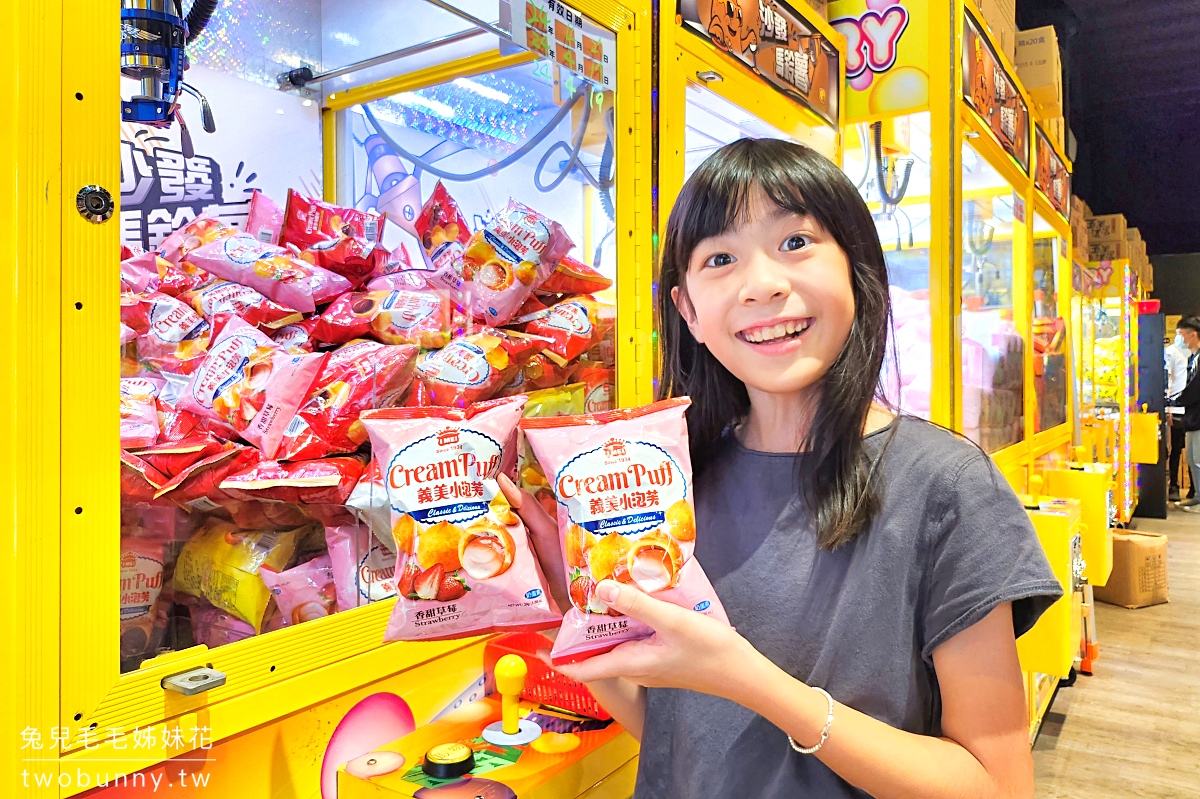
[[142, 643], [970, 200]]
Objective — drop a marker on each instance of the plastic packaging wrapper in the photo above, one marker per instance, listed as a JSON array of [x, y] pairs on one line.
[[364, 570], [172, 337], [369, 500], [142, 562], [139, 273], [140, 481], [201, 231], [225, 297], [600, 385], [505, 260], [398, 261], [248, 382], [197, 486], [573, 326], [305, 592], [172, 457], [474, 367], [265, 220], [308, 221], [360, 376], [423, 318], [466, 565], [139, 411], [221, 564], [177, 424], [574, 277], [444, 235], [354, 258], [215, 627], [558, 401], [327, 481], [409, 280], [273, 271], [267, 515], [296, 337], [623, 482]]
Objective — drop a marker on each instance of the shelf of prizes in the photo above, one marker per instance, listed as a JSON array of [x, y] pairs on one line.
[[331, 212]]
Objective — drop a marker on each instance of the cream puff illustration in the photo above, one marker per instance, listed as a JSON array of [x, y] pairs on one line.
[[486, 550], [496, 275], [654, 562], [308, 611], [578, 542], [404, 531], [439, 544], [606, 555], [681, 521]]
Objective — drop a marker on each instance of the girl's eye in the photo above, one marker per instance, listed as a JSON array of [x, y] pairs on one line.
[[794, 243], [720, 259]]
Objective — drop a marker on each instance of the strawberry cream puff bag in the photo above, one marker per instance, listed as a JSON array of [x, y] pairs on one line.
[[465, 563], [623, 481]]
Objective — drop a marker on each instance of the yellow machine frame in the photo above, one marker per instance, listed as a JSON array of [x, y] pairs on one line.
[[59, 318]]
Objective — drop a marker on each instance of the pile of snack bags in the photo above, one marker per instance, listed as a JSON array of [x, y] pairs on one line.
[[251, 362]]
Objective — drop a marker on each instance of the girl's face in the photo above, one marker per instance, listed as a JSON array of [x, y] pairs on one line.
[[771, 299]]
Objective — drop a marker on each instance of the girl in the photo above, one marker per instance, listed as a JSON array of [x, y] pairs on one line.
[[877, 569]]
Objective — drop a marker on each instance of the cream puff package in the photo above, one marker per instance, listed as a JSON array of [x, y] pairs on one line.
[[464, 562], [623, 483]]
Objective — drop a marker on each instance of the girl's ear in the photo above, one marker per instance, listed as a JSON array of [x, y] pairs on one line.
[[684, 306]]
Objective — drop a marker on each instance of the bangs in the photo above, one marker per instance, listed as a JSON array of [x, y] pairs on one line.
[[722, 193]]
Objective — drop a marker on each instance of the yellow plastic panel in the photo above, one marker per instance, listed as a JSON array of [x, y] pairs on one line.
[[1091, 484], [1143, 445], [1050, 647]]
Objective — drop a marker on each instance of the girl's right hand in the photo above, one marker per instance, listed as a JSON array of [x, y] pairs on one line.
[[543, 533]]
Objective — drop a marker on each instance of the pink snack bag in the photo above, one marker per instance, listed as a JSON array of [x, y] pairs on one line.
[[139, 411], [249, 382], [265, 220], [273, 271], [623, 482], [466, 566], [303, 593], [364, 570]]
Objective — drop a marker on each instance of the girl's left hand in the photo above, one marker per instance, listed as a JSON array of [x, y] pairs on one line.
[[688, 649]]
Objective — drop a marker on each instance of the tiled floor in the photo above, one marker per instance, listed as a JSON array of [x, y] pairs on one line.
[[1132, 729]]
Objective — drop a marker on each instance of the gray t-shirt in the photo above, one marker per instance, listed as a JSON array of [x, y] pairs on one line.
[[951, 543]]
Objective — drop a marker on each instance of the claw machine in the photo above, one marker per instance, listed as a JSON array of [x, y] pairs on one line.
[[271, 203], [743, 69]]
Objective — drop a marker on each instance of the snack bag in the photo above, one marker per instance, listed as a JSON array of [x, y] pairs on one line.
[[214, 627], [139, 411], [268, 515], [398, 260], [560, 401], [265, 221], [327, 481], [573, 326], [202, 230], [408, 280], [505, 260], [360, 376], [197, 486], [364, 570], [173, 457], [221, 563], [600, 385], [473, 367], [466, 566], [140, 481], [444, 235], [307, 221], [141, 586], [623, 481], [354, 258], [574, 277], [248, 382], [225, 297], [369, 500], [423, 318], [171, 336], [303, 593], [139, 273], [177, 424], [544, 370], [273, 271]]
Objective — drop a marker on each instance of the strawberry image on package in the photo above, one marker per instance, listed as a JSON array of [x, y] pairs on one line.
[[623, 482], [465, 563]]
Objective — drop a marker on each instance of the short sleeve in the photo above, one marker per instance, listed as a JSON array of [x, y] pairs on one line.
[[984, 552]]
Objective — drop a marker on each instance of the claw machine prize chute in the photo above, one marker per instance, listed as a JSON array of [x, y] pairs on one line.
[[407, 203]]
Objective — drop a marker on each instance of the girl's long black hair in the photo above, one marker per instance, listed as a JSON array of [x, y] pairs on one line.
[[836, 478]]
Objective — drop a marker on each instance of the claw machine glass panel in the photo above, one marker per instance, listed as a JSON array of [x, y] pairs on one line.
[[993, 350], [889, 160], [1050, 378], [376, 205]]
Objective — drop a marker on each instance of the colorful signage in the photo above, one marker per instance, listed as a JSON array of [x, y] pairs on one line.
[[775, 43], [887, 64], [556, 31], [989, 90], [1051, 176]]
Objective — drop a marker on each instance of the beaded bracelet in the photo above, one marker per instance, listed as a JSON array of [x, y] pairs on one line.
[[824, 733]]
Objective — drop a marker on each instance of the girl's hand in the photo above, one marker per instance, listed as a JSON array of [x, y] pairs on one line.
[[688, 649], [543, 533]]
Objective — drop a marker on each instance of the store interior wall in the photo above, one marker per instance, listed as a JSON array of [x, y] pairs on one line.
[[1177, 283], [1132, 85]]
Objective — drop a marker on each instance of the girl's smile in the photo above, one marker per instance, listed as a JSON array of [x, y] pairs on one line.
[[771, 336]]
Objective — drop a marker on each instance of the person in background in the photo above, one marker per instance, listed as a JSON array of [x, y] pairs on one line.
[[1176, 358], [1189, 330]]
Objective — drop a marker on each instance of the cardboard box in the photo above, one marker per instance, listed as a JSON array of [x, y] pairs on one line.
[[820, 6], [1139, 574], [1053, 128], [1106, 227], [1000, 16], [1040, 69], [1107, 250]]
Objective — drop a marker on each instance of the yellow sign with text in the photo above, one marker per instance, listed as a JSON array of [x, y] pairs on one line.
[[887, 56]]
